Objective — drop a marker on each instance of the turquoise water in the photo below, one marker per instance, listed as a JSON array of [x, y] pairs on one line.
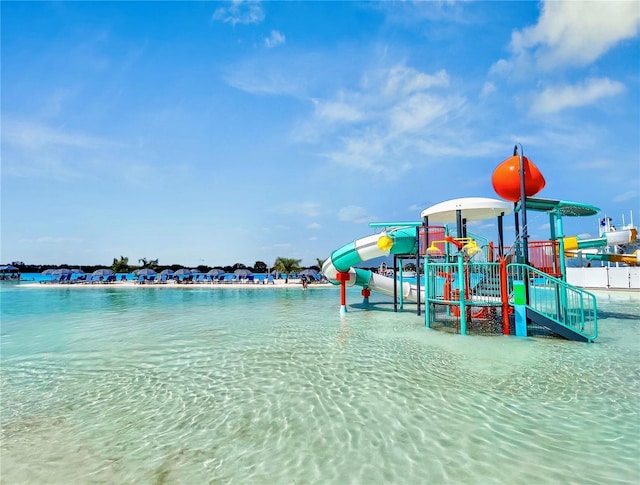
[[245, 385]]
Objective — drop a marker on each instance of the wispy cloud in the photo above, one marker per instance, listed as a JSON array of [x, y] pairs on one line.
[[51, 240], [593, 164], [307, 209], [488, 88], [558, 98], [314, 226], [337, 111], [31, 149], [275, 39], [377, 126], [240, 12], [628, 195], [258, 77], [30, 135], [355, 214]]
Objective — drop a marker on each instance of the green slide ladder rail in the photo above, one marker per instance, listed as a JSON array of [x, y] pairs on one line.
[[568, 306]]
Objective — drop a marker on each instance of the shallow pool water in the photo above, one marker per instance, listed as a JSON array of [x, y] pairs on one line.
[[206, 385]]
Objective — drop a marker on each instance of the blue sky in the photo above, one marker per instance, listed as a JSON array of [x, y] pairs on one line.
[[221, 133]]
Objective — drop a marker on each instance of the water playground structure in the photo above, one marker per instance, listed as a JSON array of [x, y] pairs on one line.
[[471, 285]]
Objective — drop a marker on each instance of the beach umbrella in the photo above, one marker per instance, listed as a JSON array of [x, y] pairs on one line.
[[308, 272], [242, 272], [61, 271], [103, 272], [77, 271], [8, 267], [182, 272], [166, 272], [145, 272], [47, 272], [215, 272], [195, 271]]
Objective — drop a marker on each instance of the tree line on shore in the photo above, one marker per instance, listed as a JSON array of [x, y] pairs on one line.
[[285, 266]]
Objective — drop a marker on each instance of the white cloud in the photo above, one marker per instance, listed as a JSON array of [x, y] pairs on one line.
[[31, 149], [600, 163], [576, 33], [403, 80], [380, 125], [338, 111], [275, 39], [314, 226], [282, 245], [630, 194], [33, 135], [258, 78], [418, 111], [240, 12], [51, 240], [354, 213], [557, 98], [487, 89], [307, 209]]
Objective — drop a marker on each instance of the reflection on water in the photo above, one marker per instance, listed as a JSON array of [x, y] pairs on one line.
[[240, 386]]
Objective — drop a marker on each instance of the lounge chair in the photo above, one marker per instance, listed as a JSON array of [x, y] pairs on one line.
[[55, 279]]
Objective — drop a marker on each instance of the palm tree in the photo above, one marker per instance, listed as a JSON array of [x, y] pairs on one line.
[[287, 266], [120, 266], [320, 263], [152, 263]]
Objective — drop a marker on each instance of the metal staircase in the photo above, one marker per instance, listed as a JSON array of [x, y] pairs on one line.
[[553, 304]]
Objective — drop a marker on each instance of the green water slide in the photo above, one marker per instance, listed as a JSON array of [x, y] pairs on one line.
[[393, 240]]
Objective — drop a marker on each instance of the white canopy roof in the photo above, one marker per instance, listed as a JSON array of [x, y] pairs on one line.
[[473, 209]]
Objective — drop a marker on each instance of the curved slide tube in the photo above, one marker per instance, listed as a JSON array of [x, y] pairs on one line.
[[393, 241], [573, 245]]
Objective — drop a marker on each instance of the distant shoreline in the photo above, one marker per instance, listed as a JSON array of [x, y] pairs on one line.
[[293, 283]]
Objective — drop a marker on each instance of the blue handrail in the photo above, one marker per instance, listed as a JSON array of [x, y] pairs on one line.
[[565, 304]]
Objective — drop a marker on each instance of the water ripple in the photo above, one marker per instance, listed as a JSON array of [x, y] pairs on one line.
[[194, 388]]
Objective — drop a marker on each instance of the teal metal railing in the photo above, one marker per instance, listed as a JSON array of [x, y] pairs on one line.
[[565, 304], [484, 283]]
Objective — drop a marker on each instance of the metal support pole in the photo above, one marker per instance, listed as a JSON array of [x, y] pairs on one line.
[[401, 296], [516, 218], [418, 272], [500, 235], [395, 284], [552, 235], [504, 296], [427, 312], [523, 207], [462, 289]]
